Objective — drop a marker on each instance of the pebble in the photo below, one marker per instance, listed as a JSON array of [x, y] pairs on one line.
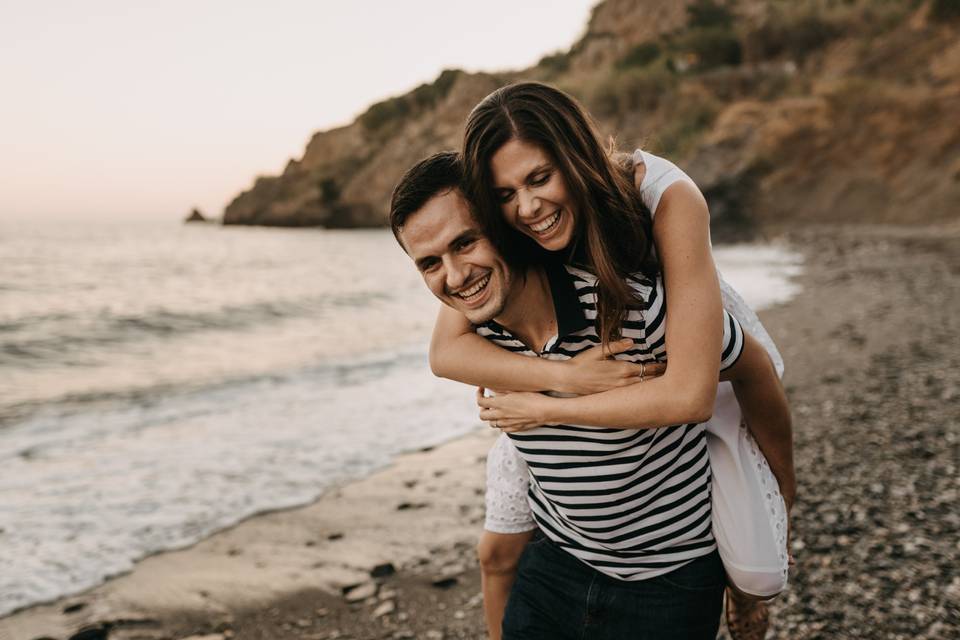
[[385, 608], [361, 592]]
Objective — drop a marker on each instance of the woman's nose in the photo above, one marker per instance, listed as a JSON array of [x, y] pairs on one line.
[[528, 204]]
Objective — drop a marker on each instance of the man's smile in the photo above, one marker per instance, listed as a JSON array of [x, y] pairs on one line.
[[473, 292]]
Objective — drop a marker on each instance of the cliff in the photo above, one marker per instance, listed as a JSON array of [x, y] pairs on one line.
[[784, 112]]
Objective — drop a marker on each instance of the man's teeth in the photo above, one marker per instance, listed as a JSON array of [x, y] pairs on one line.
[[546, 223], [475, 289]]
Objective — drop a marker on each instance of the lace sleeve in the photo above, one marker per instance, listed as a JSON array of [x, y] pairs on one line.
[[507, 482]]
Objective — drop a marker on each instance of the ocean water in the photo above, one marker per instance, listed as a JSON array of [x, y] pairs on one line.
[[160, 382]]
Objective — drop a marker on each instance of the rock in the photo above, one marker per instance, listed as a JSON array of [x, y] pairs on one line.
[[335, 536], [195, 216], [93, 632], [383, 570], [404, 506], [73, 608], [387, 607], [445, 582], [361, 592]]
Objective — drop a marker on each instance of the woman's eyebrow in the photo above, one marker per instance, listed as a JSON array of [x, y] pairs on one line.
[[540, 168], [543, 166]]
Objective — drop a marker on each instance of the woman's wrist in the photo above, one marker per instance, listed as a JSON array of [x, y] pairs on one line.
[[559, 377]]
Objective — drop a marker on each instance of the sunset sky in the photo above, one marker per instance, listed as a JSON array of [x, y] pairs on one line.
[[145, 109]]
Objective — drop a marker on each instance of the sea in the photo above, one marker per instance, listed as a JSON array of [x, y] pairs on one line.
[[160, 382]]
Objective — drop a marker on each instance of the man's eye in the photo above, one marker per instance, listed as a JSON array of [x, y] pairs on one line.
[[464, 244], [428, 266]]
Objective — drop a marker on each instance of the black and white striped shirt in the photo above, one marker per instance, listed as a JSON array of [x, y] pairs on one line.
[[632, 504]]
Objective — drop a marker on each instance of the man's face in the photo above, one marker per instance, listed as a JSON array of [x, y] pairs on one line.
[[458, 263]]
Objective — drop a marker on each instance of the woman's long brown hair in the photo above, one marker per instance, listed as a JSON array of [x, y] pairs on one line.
[[614, 234]]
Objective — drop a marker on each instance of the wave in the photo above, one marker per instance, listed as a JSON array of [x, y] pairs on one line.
[[60, 336], [331, 373]]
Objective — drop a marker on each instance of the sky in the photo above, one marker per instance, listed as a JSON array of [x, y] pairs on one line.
[[128, 108]]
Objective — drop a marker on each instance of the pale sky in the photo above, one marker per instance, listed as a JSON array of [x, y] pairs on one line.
[[128, 108]]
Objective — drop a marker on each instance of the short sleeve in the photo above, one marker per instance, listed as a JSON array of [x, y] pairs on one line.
[[732, 341], [508, 480], [661, 175]]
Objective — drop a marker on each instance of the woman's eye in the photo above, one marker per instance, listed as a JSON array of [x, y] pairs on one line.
[[540, 180], [505, 196]]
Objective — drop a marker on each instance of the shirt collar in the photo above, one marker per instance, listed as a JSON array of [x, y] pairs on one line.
[[566, 302]]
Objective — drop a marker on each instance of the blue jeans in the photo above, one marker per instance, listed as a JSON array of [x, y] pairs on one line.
[[556, 596]]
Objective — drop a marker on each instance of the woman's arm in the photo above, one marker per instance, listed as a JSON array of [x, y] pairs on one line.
[[687, 390], [457, 353]]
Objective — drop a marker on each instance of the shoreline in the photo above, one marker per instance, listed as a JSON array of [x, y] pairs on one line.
[[287, 574]]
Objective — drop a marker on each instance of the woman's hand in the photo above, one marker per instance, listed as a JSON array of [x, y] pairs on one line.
[[513, 411], [595, 370]]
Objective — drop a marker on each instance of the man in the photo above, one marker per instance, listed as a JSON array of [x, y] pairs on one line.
[[623, 552]]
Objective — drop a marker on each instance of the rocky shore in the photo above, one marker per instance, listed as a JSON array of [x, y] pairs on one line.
[[873, 373]]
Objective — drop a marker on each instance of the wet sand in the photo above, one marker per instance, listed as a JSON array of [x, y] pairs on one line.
[[873, 373]]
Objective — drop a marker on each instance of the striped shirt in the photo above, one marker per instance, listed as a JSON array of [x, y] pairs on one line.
[[632, 504]]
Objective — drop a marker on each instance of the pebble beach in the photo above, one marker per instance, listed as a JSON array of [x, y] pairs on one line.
[[873, 375]]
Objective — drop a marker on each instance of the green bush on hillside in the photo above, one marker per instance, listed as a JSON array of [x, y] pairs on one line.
[[423, 97], [944, 10], [707, 14], [795, 34], [709, 48], [640, 55], [631, 90], [555, 62], [691, 119], [329, 191]]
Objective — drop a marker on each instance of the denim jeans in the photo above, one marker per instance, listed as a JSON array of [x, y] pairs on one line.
[[556, 597]]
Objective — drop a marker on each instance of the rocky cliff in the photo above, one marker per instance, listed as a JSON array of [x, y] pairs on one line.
[[814, 110]]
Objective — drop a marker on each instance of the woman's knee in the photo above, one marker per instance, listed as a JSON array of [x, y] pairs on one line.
[[759, 585]]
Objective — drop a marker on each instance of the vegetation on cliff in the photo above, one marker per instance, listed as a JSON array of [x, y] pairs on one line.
[[812, 110]]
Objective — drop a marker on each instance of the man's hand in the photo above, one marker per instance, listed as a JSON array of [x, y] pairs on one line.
[[595, 370]]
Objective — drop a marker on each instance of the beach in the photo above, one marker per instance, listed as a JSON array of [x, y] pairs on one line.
[[873, 374]]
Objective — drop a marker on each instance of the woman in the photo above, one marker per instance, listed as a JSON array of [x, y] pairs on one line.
[[536, 166]]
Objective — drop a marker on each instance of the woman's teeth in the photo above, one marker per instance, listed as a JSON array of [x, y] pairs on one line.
[[475, 289], [546, 224]]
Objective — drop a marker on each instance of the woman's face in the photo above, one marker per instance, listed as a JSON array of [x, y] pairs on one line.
[[533, 194]]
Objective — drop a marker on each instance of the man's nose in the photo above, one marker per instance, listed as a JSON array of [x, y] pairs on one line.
[[457, 273], [528, 204]]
